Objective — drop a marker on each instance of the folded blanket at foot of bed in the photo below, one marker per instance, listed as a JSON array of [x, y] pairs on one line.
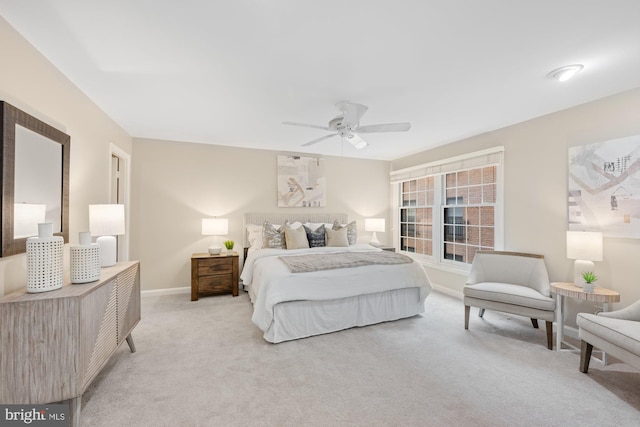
[[332, 261]]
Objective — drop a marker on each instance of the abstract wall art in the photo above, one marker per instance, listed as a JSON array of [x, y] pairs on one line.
[[301, 182], [604, 187]]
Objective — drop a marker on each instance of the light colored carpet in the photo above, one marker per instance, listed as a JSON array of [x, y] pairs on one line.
[[205, 364]]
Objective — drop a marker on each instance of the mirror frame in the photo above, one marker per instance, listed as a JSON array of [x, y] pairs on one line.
[[11, 116]]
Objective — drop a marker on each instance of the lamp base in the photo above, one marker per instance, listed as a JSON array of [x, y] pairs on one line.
[[374, 240], [215, 250], [108, 253], [579, 267]]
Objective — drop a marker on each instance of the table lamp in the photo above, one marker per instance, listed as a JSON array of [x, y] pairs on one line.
[[374, 225], [585, 247], [106, 222], [215, 227]]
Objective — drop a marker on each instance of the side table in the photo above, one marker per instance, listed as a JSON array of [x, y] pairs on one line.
[[599, 295], [214, 274]]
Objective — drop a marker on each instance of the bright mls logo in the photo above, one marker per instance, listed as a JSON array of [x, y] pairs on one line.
[[34, 415]]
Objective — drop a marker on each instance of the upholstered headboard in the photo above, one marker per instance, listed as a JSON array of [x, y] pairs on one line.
[[281, 217]]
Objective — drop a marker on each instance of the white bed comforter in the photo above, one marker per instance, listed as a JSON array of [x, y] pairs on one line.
[[271, 281]]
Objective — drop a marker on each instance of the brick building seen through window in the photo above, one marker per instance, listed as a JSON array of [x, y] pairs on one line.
[[461, 204]]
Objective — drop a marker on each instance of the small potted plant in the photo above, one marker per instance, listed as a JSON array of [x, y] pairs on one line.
[[589, 277], [229, 245]]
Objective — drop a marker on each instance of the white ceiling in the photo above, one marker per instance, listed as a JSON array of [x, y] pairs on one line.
[[229, 72]]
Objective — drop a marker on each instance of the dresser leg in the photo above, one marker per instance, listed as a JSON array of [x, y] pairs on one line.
[[75, 405], [132, 345]]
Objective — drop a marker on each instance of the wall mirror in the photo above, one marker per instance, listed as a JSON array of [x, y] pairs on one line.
[[35, 178]]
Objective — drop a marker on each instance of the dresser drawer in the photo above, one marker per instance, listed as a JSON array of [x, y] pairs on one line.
[[222, 284], [215, 266]]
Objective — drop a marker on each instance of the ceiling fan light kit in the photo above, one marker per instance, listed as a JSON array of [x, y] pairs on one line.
[[347, 125]]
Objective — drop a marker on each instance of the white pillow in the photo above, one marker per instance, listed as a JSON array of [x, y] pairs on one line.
[[254, 235], [337, 237]]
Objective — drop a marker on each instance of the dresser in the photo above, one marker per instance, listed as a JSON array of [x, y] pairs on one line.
[[55, 343], [214, 274]]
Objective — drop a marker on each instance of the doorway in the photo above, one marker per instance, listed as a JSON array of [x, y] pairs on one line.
[[119, 194]]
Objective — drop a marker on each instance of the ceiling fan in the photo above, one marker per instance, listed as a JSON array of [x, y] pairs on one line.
[[347, 125]]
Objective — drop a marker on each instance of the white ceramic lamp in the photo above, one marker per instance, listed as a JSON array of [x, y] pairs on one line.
[[585, 247], [374, 225], [215, 227], [107, 221]]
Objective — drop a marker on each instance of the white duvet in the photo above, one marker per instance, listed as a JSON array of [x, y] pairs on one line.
[[271, 281]]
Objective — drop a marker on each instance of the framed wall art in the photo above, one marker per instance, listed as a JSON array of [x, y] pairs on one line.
[[301, 182], [604, 187]]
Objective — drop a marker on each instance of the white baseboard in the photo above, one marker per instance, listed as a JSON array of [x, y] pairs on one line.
[[447, 291], [168, 291]]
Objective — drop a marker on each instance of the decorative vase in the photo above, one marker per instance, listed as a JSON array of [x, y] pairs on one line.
[[44, 260], [85, 260], [588, 287]]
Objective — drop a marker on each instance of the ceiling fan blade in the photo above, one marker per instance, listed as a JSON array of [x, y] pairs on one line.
[[352, 112], [357, 141], [305, 125], [390, 127], [322, 138]]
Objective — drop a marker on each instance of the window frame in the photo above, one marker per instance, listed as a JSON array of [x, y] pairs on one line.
[[439, 170]]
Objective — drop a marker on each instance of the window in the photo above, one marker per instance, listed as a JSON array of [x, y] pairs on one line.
[[416, 216], [469, 213], [450, 212]]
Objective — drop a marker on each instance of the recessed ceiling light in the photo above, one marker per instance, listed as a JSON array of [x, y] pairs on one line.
[[565, 73]]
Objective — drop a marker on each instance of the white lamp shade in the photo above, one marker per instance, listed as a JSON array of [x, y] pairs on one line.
[[374, 224], [215, 226], [106, 220], [26, 217], [584, 245]]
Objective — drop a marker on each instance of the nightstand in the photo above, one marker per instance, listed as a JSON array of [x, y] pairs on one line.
[[214, 275]]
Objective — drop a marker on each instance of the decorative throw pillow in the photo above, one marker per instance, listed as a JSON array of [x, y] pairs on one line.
[[273, 237], [352, 231], [316, 238], [337, 237], [296, 238]]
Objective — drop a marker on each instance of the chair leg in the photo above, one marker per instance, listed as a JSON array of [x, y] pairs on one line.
[[534, 322], [585, 356], [480, 312], [467, 309], [549, 335]]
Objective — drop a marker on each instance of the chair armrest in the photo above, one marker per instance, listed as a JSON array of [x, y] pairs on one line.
[[631, 312]]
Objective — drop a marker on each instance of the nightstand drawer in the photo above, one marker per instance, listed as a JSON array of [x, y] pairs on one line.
[[215, 284], [215, 266]]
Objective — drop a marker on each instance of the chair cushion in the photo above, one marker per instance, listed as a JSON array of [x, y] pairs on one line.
[[619, 332], [510, 294]]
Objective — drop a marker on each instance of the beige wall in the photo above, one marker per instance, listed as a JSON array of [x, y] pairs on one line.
[[535, 186], [175, 184], [28, 81]]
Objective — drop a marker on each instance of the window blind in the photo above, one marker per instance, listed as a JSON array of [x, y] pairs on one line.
[[488, 157]]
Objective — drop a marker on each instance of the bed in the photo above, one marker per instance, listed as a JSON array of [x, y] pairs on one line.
[[289, 305]]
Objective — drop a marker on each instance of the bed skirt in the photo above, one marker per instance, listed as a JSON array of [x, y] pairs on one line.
[[300, 319]]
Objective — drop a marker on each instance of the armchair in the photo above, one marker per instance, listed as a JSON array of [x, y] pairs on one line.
[[510, 282], [615, 332]]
